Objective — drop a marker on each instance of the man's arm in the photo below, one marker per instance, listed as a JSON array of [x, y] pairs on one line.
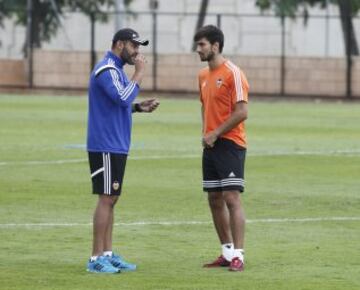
[[202, 118], [239, 114], [110, 81], [202, 124], [123, 95]]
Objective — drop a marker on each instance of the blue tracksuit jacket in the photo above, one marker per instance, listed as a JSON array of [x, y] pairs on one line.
[[110, 97]]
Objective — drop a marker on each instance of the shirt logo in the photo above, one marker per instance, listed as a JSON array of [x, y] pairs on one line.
[[219, 83], [203, 85]]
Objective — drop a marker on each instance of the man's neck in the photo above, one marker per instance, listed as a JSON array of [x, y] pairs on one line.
[[116, 52], [216, 61]]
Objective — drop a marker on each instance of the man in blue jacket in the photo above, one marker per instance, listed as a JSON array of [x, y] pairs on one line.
[[111, 104]]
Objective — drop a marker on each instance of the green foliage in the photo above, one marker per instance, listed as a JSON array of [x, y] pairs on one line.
[[47, 14], [4, 10], [291, 7]]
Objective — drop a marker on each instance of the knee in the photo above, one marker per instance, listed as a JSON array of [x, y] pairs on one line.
[[114, 200], [216, 201], [232, 200], [108, 201]]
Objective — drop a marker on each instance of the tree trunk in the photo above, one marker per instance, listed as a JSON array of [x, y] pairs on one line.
[[37, 26], [351, 45], [201, 18]]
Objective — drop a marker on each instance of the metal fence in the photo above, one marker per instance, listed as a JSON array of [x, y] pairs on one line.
[[171, 33]]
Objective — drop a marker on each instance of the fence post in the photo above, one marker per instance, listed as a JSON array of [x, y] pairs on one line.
[[29, 48], [327, 29], [154, 50], [218, 20], [92, 41], [348, 56], [283, 52]]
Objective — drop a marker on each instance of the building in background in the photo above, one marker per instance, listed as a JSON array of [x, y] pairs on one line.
[[280, 58], [246, 31]]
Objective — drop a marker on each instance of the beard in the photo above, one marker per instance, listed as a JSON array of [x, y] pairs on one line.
[[207, 57], [127, 57]]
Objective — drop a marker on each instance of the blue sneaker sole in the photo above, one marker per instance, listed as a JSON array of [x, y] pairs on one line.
[[97, 272], [127, 269]]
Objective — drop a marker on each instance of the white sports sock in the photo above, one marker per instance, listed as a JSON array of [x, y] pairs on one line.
[[108, 253], [228, 251], [93, 258], [240, 253]]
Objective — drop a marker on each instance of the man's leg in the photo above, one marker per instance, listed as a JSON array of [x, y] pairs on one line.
[[109, 229], [102, 224], [237, 217], [107, 171], [220, 215], [116, 260], [237, 224]]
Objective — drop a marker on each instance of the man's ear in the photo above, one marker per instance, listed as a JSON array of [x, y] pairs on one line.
[[215, 47], [119, 44]]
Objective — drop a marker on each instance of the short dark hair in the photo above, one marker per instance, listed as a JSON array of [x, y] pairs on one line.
[[212, 34]]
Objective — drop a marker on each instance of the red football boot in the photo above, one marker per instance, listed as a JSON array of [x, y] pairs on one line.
[[236, 265], [219, 262]]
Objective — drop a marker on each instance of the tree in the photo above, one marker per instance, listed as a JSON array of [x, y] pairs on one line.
[[201, 18], [347, 9], [47, 14]]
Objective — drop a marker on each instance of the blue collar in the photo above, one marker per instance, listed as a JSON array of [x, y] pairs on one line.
[[118, 61]]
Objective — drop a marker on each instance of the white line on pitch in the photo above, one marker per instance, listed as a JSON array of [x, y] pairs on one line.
[[181, 223], [188, 156]]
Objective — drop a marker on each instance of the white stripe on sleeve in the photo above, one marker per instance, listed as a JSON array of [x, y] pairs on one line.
[[237, 80]]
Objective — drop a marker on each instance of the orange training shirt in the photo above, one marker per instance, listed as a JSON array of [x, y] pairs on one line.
[[220, 90]]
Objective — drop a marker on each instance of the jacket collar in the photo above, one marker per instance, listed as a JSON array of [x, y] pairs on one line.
[[118, 61]]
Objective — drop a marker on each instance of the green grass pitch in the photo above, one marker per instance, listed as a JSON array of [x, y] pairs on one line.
[[302, 198]]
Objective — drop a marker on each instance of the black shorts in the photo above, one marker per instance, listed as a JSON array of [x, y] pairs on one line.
[[223, 166], [107, 172]]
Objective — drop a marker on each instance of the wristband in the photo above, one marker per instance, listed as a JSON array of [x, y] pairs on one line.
[[138, 108]]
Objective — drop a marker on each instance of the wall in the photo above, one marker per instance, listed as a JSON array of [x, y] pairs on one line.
[[178, 72], [248, 33], [316, 76], [61, 69], [13, 73]]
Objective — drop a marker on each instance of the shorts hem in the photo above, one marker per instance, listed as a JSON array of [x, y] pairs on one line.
[[226, 188], [111, 194]]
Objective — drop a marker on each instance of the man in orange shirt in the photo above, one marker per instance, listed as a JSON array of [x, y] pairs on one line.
[[224, 96]]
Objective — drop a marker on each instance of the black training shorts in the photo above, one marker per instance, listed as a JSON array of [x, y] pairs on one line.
[[107, 172], [223, 166]]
